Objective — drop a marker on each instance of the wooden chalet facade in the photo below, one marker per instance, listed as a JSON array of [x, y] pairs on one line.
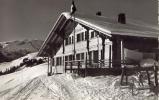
[[100, 41]]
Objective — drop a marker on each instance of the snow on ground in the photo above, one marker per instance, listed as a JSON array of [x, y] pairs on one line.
[[19, 77], [33, 84]]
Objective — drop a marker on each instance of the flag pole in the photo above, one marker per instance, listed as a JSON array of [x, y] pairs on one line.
[[73, 10], [74, 39]]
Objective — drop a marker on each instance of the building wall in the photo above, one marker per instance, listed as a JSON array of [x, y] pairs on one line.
[[95, 47]]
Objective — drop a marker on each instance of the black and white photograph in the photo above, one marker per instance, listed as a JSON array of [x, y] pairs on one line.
[[79, 49]]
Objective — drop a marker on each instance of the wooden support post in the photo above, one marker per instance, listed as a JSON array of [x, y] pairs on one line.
[[71, 67], [78, 67], [74, 39], [48, 67], [156, 74], [116, 52], [126, 76], [51, 64], [64, 52], [63, 62], [148, 77], [110, 48], [85, 71], [122, 75], [156, 56], [103, 50], [65, 67], [87, 38], [122, 53]]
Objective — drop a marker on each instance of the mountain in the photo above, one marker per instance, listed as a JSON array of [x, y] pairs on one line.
[[14, 49]]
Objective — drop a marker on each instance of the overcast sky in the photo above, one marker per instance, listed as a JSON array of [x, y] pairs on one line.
[[33, 19]]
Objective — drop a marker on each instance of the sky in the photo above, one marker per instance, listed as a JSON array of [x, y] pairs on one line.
[[33, 19]]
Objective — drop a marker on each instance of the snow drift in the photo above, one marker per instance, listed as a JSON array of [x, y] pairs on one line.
[[32, 83]]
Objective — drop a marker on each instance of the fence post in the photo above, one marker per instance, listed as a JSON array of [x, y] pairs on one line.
[[110, 54], [85, 71], [122, 75], [71, 68], [148, 77], [65, 66], [48, 67], [155, 73], [78, 67]]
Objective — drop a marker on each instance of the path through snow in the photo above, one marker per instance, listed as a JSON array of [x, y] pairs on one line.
[[71, 87], [32, 83]]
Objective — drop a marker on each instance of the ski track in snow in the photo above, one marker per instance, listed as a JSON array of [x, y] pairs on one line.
[[69, 87], [33, 84]]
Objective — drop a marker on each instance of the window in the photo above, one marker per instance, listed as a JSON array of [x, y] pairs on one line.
[[86, 35], [70, 57], [92, 34], [73, 57], [66, 58], [53, 61], [72, 39], [96, 33], [78, 37], [66, 43], [78, 56], [91, 53], [69, 40], [101, 52], [58, 61], [82, 56], [82, 36], [95, 56]]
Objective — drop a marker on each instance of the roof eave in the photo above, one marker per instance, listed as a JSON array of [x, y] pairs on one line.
[[65, 15]]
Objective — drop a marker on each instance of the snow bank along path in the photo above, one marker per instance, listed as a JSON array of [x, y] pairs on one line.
[[32, 83], [69, 87]]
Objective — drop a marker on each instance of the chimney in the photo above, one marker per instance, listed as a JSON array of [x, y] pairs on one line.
[[99, 13], [122, 18]]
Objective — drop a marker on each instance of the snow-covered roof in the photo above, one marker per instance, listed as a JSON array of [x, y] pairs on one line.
[[65, 25], [113, 27]]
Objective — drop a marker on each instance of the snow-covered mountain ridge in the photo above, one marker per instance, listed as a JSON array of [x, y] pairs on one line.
[[14, 49]]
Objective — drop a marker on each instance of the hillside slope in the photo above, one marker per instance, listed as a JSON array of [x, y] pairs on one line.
[[15, 49], [32, 83]]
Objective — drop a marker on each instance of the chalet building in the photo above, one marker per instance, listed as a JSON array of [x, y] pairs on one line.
[[78, 50], [98, 42]]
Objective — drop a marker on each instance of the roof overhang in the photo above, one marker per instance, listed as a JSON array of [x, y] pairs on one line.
[[61, 29], [66, 23]]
